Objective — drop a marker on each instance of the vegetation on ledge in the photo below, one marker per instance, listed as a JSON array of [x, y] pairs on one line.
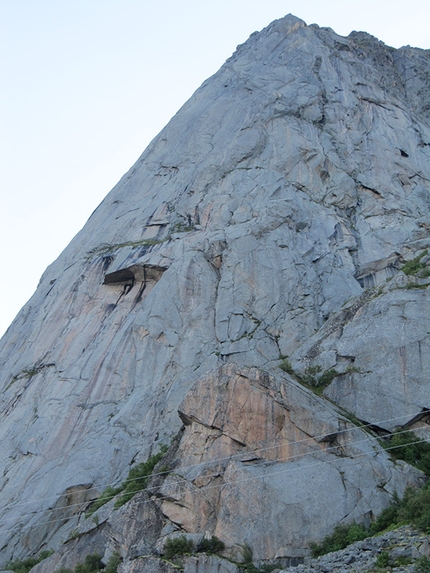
[[24, 565], [136, 481], [416, 267], [413, 509]]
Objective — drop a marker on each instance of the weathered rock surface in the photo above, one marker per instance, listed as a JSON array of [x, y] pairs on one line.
[[403, 547], [266, 219], [250, 439]]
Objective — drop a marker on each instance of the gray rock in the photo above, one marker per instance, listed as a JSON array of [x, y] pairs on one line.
[[383, 342], [399, 545], [292, 180], [148, 565], [209, 564]]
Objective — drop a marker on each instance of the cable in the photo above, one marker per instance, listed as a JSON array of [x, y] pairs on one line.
[[243, 480], [288, 458], [226, 458]]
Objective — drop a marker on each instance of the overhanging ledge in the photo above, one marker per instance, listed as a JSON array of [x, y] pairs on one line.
[[134, 273]]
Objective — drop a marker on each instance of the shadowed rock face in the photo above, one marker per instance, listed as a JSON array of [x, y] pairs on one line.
[[272, 216]]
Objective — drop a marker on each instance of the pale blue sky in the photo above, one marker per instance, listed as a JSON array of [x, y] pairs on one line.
[[86, 84]]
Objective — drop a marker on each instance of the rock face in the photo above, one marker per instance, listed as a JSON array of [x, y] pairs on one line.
[[251, 439], [402, 548], [273, 216]]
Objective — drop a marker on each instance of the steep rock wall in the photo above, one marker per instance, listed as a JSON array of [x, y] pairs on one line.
[[293, 180]]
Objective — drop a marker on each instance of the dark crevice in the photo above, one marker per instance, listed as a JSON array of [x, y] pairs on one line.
[[129, 276]]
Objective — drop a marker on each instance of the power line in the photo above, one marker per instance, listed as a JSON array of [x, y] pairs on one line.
[[235, 483], [229, 458], [239, 455]]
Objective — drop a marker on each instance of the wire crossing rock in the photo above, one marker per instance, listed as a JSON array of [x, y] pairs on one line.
[[283, 212]]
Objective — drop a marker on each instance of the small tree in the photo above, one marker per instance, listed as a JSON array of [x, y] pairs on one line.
[[177, 546]]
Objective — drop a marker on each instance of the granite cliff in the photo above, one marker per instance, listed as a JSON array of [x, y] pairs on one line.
[[281, 219]]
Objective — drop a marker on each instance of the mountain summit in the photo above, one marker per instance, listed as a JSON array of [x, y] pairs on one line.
[[252, 297]]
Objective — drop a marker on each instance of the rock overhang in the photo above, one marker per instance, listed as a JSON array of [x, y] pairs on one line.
[[134, 273]]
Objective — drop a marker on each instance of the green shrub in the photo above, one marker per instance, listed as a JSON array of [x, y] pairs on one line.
[[327, 377], [247, 564], [412, 267], [351, 369], [91, 564], [402, 561], [136, 481], [383, 560], [415, 508], [408, 447], [342, 536], [24, 565], [250, 568], [388, 517], [21, 566], [106, 248], [212, 545], [182, 228], [410, 286], [285, 365], [108, 494], [138, 477], [310, 375], [422, 565], [177, 546], [113, 563]]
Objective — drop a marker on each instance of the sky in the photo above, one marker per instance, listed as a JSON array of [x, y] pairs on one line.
[[85, 85]]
